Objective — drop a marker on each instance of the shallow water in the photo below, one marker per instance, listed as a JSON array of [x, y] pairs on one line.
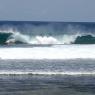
[[47, 85], [51, 66], [47, 77]]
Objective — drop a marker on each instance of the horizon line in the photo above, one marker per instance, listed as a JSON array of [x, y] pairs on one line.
[[46, 21]]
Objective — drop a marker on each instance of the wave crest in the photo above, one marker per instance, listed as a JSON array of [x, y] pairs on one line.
[[15, 37]]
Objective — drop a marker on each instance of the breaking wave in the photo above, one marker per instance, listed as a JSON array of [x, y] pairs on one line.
[[18, 38], [46, 33]]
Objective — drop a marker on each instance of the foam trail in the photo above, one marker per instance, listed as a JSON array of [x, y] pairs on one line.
[[44, 73], [54, 52]]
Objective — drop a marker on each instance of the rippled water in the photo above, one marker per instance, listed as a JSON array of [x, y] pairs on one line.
[[47, 77]]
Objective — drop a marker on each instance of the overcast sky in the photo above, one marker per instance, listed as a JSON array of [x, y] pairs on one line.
[[48, 10]]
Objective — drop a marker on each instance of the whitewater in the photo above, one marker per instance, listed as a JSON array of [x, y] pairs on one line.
[[49, 52]]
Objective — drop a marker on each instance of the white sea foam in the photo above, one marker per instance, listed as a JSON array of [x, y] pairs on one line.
[[54, 52], [65, 39], [18, 37], [46, 40], [10, 30], [44, 73], [68, 39]]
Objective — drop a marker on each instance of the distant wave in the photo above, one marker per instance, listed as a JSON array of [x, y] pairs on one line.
[[18, 38]]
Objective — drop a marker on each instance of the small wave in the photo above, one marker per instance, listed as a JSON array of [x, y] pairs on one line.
[[44, 73]]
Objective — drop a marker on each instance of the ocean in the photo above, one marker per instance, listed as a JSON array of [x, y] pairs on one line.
[[47, 58]]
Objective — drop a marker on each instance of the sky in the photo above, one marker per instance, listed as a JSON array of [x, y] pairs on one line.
[[48, 10]]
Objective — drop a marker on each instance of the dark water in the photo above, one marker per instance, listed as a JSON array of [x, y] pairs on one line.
[[47, 85]]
